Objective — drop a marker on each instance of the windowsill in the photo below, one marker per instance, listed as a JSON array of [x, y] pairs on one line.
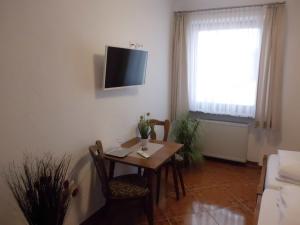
[[222, 118]]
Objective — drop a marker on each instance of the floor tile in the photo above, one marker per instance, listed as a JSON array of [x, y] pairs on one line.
[[245, 193], [215, 196], [186, 205], [165, 222], [236, 215], [194, 219]]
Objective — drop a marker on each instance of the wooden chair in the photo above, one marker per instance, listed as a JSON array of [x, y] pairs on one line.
[[122, 188], [166, 125]]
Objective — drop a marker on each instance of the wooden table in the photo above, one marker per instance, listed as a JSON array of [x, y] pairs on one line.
[[150, 165]]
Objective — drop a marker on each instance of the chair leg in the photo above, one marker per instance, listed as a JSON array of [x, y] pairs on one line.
[[158, 185], [181, 180]]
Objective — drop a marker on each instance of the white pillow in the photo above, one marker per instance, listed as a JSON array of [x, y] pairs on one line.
[[289, 205], [289, 165], [287, 180], [290, 172]]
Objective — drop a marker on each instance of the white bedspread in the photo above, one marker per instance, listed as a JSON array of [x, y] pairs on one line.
[[289, 205], [269, 211]]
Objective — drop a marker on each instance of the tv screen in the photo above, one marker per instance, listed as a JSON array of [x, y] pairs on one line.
[[124, 67]]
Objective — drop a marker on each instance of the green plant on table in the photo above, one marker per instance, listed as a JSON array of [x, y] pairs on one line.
[[41, 189], [186, 130], [144, 126]]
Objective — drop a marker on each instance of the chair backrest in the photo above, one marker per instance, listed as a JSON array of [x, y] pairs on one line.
[[96, 152], [165, 124]]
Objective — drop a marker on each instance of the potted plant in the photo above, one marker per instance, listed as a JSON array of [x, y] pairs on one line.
[[186, 131], [41, 189], [144, 127]]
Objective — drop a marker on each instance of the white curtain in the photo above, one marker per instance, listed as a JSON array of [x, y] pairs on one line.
[[271, 69], [223, 49], [179, 97]]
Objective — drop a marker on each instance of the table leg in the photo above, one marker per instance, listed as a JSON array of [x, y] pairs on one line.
[[174, 170], [149, 174], [158, 178], [111, 169]]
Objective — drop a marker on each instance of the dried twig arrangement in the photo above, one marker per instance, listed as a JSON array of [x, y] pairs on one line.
[[41, 189]]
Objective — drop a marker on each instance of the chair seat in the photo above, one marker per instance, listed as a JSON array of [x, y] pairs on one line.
[[128, 186]]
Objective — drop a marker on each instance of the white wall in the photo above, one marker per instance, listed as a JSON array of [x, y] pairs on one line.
[[291, 78], [51, 55]]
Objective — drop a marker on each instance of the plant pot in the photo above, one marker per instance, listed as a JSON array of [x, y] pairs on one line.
[[144, 143]]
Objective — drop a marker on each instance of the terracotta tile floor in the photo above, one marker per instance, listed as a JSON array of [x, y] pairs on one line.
[[218, 193]]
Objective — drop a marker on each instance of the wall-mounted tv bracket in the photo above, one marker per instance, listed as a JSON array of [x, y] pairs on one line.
[[135, 45]]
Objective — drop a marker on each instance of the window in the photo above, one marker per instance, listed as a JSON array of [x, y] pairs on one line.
[[224, 52]]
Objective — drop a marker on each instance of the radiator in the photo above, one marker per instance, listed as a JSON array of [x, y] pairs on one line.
[[225, 140]]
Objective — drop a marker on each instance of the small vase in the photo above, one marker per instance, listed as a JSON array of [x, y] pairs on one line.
[[144, 143]]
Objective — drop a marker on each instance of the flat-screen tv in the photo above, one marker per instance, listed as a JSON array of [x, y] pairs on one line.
[[124, 67]]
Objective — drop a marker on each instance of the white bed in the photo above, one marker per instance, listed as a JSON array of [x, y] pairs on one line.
[[269, 211], [272, 172]]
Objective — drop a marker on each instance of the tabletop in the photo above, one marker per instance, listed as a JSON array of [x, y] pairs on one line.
[[154, 161]]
